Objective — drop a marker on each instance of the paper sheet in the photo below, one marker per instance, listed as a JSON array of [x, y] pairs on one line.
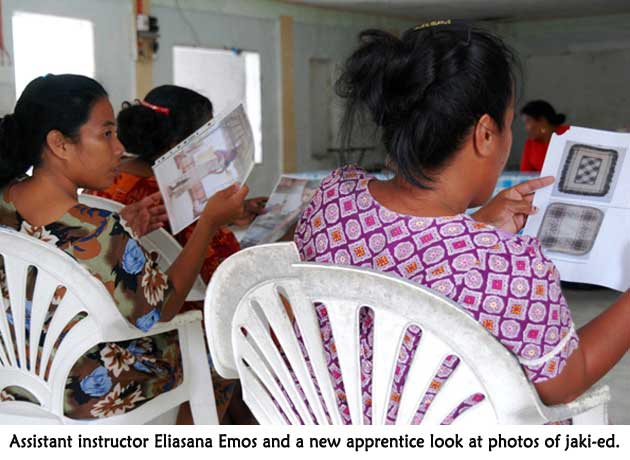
[[215, 156], [583, 221], [287, 201]]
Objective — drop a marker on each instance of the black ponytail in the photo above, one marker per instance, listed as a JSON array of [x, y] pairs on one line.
[[12, 164], [426, 90], [53, 102]]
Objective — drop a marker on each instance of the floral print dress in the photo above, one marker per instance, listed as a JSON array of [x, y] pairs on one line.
[[130, 188], [110, 378]]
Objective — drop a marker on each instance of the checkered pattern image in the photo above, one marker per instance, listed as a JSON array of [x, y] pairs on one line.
[[588, 171], [570, 229]]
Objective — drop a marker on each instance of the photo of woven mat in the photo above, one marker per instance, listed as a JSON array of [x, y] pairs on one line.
[[570, 229], [588, 170]]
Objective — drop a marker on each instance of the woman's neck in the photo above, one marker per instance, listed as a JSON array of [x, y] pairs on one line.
[[404, 198], [43, 198]]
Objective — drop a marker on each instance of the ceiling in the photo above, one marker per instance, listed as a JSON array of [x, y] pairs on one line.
[[506, 10]]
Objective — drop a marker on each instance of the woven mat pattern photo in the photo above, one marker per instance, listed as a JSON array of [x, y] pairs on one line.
[[588, 171], [570, 229]]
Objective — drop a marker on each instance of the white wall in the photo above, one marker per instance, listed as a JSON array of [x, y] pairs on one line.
[[581, 66], [113, 41]]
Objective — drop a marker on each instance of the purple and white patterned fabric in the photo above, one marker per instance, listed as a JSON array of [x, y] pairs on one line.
[[501, 279]]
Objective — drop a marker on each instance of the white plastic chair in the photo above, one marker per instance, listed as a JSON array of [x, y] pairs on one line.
[[103, 323], [244, 293], [159, 241]]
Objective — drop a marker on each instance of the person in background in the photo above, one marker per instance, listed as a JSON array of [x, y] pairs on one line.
[[443, 98], [541, 122], [147, 130], [64, 127]]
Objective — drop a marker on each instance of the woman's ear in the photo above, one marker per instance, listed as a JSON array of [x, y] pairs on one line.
[[485, 136], [58, 144]]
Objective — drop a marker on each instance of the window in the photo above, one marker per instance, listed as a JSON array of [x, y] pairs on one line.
[[226, 77], [46, 44]]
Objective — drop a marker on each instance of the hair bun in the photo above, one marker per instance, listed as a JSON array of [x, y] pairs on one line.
[[560, 118], [369, 73], [143, 131]]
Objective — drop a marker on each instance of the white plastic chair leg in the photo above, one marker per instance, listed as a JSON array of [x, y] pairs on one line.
[[197, 372], [595, 416], [167, 418]]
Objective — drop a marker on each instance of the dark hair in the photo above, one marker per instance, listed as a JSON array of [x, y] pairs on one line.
[[53, 102], [542, 109], [426, 90], [149, 133]]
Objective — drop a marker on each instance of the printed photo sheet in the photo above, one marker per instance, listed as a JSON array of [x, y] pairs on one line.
[[214, 157], [583, 221], [287, 201]]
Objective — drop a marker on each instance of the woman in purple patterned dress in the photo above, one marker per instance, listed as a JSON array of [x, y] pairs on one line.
[[443, 98]]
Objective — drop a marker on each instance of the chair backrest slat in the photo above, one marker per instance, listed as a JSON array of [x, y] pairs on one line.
[[428, 358], [307, 324], [72, 347], [480, 415], [460, 385], [388, 335], [7, 354], [4, 361], [259, 328], [45, 287], [16, 274], [260, 362], [282, 327], [266, 412], [69, 307], [343, 315]]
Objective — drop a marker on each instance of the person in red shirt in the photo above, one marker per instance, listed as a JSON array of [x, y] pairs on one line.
[[541, 121]]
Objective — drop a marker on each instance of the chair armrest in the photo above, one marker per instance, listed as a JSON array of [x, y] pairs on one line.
[[593, 398], [131, 332], [180, 320]]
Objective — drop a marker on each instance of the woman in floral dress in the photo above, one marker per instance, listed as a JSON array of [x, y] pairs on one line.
[[64, 127], [147, 130], [443, 98]]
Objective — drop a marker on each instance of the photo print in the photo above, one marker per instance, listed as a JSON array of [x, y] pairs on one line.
[[589, 170], [215, 156], [570, 229]]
